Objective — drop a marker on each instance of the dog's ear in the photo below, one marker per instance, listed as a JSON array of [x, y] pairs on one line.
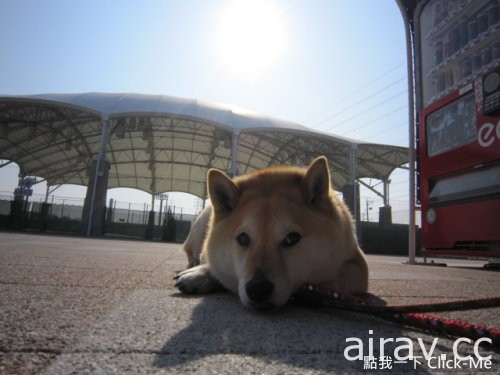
[[224, 193], [316, 183]]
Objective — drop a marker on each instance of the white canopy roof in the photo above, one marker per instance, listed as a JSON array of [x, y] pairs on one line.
[[161, 143]]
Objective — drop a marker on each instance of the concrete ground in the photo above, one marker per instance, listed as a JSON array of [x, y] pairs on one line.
[[72, 305]]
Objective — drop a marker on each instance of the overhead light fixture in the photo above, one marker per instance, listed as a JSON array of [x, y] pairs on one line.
[[120, 128], [147, 134], [132, 123]]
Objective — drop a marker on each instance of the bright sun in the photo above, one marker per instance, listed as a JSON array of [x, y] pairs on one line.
[[250, 36]]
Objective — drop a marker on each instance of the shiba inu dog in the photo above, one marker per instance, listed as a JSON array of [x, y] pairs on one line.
[[269, 232]]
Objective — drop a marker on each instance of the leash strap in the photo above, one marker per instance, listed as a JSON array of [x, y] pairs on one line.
[[409, 315]]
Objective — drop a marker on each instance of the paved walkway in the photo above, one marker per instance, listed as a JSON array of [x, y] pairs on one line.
[[97, 306]]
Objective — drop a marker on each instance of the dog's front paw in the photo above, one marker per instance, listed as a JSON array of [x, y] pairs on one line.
[[196, 280]]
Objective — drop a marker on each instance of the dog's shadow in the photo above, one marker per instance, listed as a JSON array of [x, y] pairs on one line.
[[222, 329]]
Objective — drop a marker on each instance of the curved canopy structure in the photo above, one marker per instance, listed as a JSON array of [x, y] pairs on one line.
[[159, 143]]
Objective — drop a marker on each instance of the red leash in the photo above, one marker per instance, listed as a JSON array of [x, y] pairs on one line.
[[410, 315]]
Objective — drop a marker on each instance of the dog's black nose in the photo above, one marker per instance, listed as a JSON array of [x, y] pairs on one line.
[[259, 288]]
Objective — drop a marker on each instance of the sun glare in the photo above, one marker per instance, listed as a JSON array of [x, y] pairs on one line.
[[250, 36]]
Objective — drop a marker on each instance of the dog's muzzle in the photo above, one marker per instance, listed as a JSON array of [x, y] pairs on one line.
[[258, 290]]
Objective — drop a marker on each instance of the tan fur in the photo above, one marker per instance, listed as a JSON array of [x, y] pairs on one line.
[[268, 207], [196, 236]]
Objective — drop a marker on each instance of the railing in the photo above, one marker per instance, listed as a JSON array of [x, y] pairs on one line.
[[63, 215]]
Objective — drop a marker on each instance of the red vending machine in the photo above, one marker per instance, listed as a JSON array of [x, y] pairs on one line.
[[455, 46]]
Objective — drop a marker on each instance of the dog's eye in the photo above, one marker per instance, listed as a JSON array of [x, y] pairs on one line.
[[291, 239], [243, 239]]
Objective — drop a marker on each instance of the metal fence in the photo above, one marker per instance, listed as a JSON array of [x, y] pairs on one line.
[[136, 213], [123, 219]]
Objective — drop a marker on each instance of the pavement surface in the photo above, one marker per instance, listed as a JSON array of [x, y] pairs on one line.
[[71, 305]]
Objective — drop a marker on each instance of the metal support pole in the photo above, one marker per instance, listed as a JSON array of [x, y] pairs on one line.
[[386, 192], [100, 157], [153, 207], [234, 153], [205, 197], [411, 140], [151, 220], [411, 221], [352, 180], [161, 211], [47, 194], [408, 13], [352, 176]]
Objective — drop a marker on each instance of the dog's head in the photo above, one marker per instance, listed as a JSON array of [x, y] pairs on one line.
[[274, 230]]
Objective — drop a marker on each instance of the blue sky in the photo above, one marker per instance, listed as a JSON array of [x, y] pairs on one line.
[[342, 67]]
